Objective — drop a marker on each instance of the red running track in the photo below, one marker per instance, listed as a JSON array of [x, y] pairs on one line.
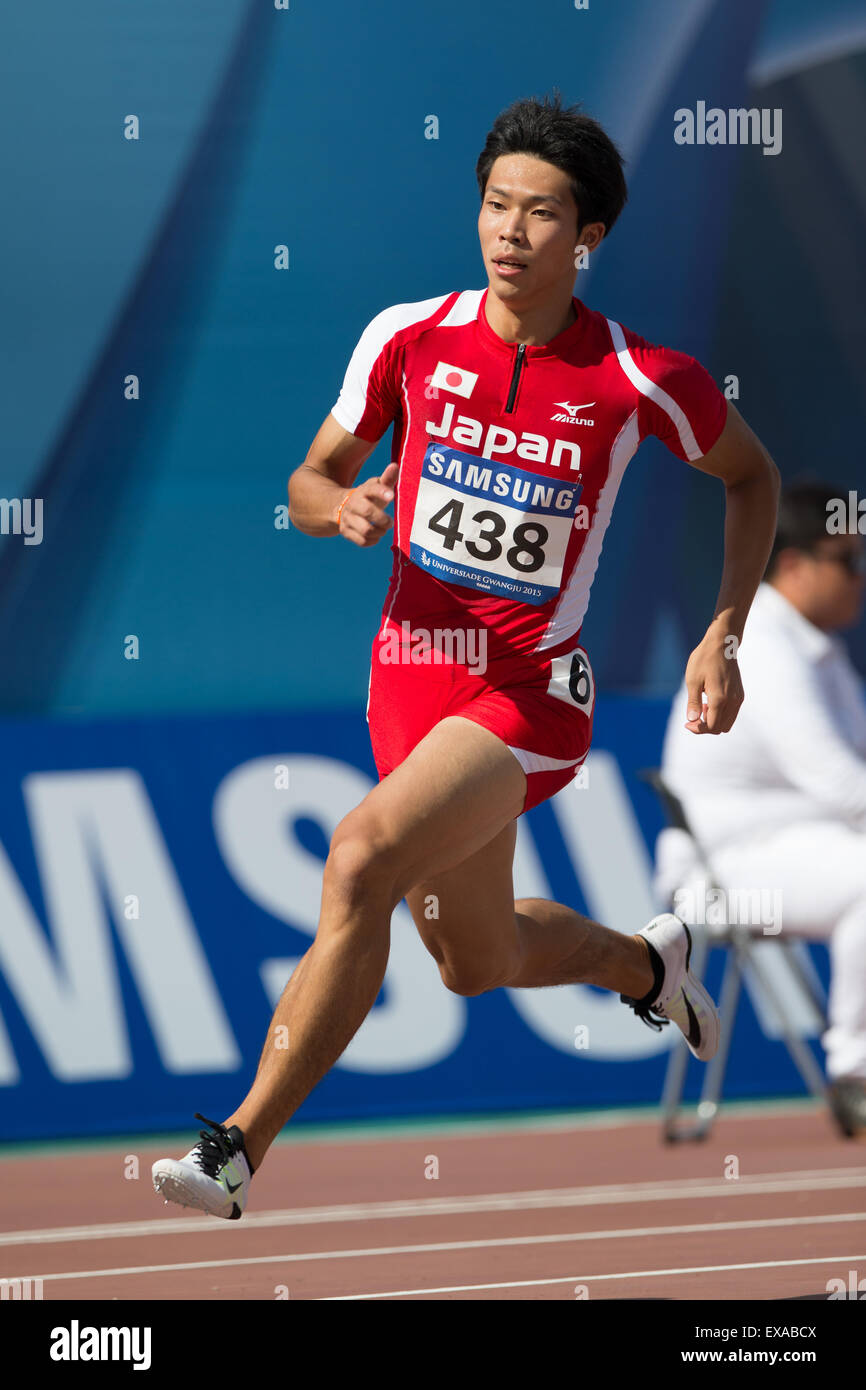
[[599, 1210]]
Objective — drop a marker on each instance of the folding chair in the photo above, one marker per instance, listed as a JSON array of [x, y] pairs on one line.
[[739, 942]]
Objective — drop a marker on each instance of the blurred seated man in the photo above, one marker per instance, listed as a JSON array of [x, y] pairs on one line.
[[779, 802]]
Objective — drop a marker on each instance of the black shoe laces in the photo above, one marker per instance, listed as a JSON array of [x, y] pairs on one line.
[[646, 1014], [214, 1150]]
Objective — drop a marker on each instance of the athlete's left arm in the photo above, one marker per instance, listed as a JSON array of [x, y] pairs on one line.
[[752, 484]]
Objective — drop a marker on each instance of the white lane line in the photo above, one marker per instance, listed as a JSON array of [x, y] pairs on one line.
[[594, 1278], [451, 1246], [665, 1190]]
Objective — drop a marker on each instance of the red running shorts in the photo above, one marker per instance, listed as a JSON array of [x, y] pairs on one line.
[[542, 710]]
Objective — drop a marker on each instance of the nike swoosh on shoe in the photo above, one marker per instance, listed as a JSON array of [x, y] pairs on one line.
[[680, 998]]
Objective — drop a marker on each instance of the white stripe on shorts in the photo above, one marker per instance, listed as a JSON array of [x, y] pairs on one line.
[[537, 762]]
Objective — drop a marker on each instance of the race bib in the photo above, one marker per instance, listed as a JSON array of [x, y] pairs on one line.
[[491, 526]]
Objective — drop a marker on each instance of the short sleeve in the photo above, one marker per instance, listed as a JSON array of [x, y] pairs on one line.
[[679, 401], [369, 399]]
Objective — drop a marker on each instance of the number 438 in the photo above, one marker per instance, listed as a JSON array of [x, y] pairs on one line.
[[529, 537]]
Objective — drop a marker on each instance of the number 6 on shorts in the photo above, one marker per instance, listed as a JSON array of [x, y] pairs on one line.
[[571, 680]]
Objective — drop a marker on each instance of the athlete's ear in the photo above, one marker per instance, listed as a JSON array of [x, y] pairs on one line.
[[591, 235]]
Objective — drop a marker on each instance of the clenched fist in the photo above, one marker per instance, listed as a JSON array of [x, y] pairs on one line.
[[363, 518]]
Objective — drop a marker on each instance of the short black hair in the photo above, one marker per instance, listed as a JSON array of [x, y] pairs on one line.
[[802, 520], [574, 142]]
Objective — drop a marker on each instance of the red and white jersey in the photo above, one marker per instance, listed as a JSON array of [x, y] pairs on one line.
[[511, 458]]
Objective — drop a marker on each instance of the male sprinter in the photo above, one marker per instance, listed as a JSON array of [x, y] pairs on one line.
[[515, 411]]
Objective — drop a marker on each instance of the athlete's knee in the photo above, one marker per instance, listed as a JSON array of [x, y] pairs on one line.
[[470, 978], [359, 867]]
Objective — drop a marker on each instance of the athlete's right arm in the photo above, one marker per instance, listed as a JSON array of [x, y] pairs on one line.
[[325, 482]]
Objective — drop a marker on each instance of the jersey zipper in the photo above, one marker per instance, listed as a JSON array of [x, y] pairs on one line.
[[515, 377]]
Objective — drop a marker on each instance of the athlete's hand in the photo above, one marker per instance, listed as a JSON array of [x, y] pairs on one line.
[[363, 518], [715, 691]]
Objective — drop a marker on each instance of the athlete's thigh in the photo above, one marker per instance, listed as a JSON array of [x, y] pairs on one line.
[[457, 789], [466, 914]]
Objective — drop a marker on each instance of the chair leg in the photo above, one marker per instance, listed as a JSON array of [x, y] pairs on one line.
[[714, 1077], [817, 1000], [819, 1004], [672, 1095]]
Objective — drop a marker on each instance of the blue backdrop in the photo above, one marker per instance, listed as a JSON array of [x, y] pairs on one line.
[[154, 257], [161, 877]]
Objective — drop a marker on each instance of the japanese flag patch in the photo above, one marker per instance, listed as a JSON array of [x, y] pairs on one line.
[[454, 379]]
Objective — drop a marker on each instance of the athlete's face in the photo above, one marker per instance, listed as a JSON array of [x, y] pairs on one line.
[[528, 214]]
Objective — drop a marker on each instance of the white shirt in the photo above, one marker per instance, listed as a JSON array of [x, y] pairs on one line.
[[797, 750]]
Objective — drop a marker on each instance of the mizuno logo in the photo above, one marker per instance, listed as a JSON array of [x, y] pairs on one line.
[[571, 416]]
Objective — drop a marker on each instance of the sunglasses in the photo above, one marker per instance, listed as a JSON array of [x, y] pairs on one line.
[[854, 561]]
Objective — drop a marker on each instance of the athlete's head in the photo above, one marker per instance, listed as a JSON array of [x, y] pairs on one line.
[[550, 180], [814, 563]]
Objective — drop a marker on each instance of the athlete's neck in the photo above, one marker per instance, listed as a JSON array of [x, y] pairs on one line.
[[534, 326]]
